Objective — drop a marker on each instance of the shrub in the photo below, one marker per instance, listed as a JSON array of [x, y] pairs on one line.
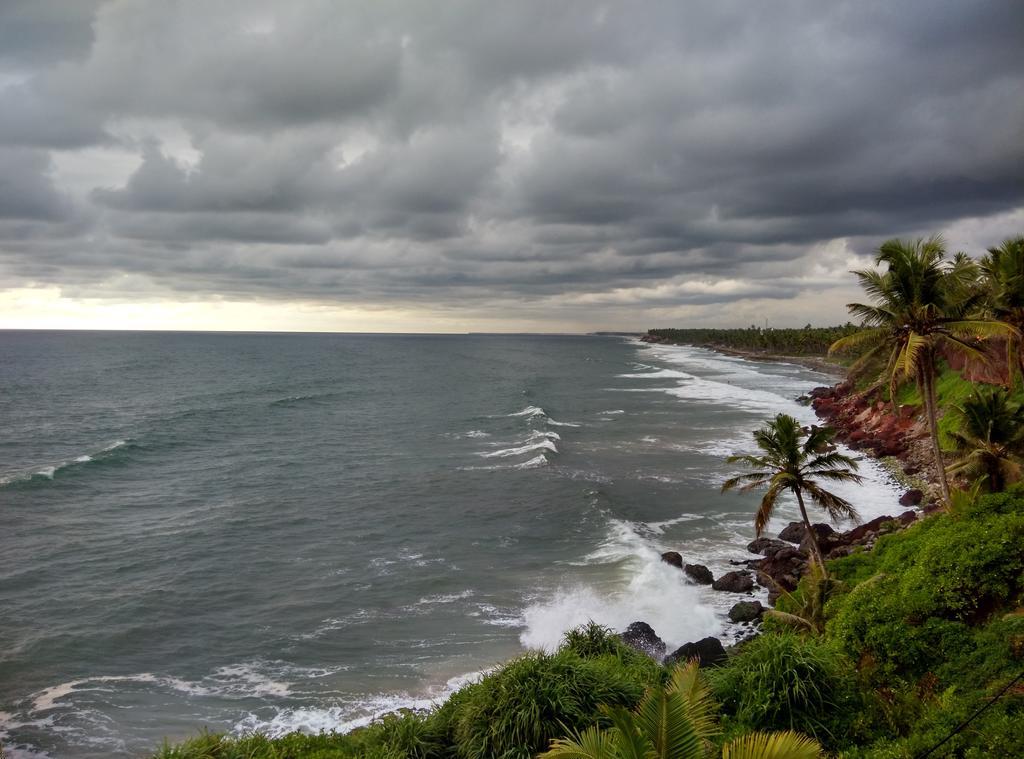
[[781, 681], [517, 710]]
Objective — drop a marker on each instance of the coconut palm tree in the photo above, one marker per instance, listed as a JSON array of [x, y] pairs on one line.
[[676, 722], [920, 302], [1002, 271], [990, 439], [794, 460]]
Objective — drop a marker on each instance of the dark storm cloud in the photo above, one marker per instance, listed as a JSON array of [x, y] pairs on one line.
[[458, 151]]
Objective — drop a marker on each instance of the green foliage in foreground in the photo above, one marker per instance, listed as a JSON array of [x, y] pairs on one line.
[[676, 721], [786, 682], [919, 634]]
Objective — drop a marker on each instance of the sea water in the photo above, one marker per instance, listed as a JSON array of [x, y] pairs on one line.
[[277, 531]]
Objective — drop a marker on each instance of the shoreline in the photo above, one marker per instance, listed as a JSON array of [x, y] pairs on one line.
[[816, 363]]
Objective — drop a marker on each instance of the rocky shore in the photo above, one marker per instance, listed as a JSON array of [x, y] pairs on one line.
[[875, 428]]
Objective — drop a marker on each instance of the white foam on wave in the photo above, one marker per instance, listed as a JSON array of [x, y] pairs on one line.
[[647, 590], [50, 471], [535, 462], [445, 598], [659, 374], [346, 717], [529, 411], [253, 679], [561, 424], [544, 445]]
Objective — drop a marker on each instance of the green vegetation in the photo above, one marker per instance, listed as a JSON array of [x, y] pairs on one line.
[[989, 437], [805, 341], [795, 460], [921, 304], [1002, 288], [676, 721]]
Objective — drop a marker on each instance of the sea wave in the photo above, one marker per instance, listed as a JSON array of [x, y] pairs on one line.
[[647, 590], [346, 717], [51, 471], [544, 445]]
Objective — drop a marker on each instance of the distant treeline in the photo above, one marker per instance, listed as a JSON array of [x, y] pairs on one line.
[[802, 341]]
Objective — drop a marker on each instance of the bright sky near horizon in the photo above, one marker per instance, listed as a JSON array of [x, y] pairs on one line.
[[464, 166]]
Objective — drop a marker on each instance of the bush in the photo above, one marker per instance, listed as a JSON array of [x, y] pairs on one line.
[[782, 681], [517, 710], [928, 585]]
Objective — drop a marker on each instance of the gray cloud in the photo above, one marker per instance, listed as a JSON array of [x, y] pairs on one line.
[[451, 153]]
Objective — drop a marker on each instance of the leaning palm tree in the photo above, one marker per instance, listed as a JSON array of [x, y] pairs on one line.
[[919, 308], [990, 440], [676, 722], [794, 460], [1002, 271]]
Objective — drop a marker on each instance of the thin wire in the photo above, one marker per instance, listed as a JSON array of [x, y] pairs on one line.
[[970, 719]]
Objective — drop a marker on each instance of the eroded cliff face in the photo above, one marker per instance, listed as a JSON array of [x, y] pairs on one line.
[[873, 426], [991, 371]]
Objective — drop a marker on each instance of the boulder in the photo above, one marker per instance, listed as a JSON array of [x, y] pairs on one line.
[[734, 582], [911, 498], [709, 652], [793, 532], [699, 574], [746, 611], [673, 558], [767, 546], [907, 517], [827, 539], [641, 637], [782, 569], [858, 534]]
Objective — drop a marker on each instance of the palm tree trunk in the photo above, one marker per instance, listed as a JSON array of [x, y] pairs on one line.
[[926, 386], [811, 534]]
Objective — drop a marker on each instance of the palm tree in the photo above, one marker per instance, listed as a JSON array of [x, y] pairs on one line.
[[676, 722], [990, 439], [1003, 277], [794, 460], [920, 301]]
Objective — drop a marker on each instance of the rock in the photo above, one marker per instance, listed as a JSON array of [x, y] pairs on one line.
[[746, 611], [907, 517], [641, 637], [673, 558], [734, 582], [911, 498], [858, 534], [708, 652], [839, 552], [827, 539], [793, 532], [699, 574], [767, 546], [782, 570]]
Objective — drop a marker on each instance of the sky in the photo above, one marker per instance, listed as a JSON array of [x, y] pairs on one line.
[[452, 166]]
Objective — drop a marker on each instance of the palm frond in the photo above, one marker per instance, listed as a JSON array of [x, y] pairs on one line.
[[663, 719], [784, 745], [858, 339], [764, 512], [688, 682], [592, 743], [837, 508]]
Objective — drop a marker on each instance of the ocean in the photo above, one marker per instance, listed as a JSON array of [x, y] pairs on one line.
[[301, 531]]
